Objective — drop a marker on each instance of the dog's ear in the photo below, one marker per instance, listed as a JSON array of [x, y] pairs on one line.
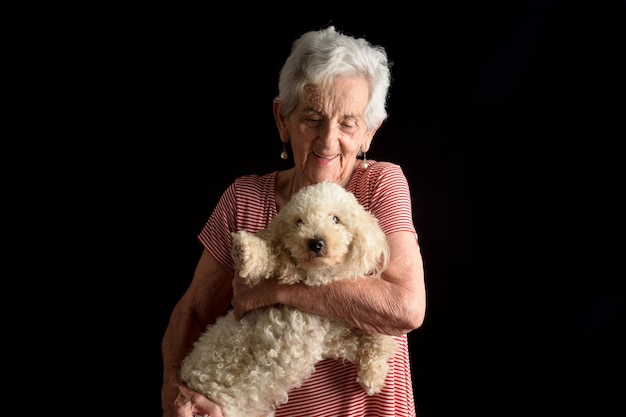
[[369, 249], [276, 231]]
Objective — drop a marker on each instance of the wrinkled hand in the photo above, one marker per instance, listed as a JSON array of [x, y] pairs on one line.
[[189, 403], [246, 297]]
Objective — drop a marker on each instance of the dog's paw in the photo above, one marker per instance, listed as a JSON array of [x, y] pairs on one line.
[[242, 253], [372, 376], [373, 362], [251, 256]]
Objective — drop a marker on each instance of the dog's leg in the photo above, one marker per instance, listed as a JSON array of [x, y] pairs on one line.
[[253, 257], [340, 341], [373, 361], [370, 352]]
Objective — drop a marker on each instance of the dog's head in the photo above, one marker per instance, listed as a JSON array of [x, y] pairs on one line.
[[324, 228]]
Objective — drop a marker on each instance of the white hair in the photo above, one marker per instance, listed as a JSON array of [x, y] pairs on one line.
[[317, 57]]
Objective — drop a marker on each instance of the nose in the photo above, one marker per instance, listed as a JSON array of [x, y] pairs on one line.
[[329, 132], [316, 245]]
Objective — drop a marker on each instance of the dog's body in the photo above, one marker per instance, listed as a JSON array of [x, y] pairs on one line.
[[248, 367]]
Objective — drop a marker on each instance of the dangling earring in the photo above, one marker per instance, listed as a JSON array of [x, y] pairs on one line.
[[284, 154], [365, 164]]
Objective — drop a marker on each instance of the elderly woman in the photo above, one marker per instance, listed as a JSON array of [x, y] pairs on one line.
[[331, 101]]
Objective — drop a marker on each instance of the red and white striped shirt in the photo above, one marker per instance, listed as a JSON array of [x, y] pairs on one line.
[[249, 203]]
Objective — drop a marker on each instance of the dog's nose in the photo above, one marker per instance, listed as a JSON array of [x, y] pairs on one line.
[[316, 245]]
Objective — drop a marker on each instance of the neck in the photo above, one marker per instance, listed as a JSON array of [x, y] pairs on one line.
[[293, 177]]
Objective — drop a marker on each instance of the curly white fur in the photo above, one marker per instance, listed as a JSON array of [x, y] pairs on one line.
[[248, 367]]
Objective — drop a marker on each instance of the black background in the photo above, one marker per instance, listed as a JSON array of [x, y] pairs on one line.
[[508, 118]]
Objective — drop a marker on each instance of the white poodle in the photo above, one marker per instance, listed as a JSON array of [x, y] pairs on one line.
[[248, 367]]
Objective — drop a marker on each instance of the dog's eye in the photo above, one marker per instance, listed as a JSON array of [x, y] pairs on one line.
[[299, 222], [335, 219]]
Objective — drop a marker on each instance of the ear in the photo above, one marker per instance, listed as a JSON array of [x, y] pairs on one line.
[[369, 136], [281, 122], [370, 249], [284, 268]]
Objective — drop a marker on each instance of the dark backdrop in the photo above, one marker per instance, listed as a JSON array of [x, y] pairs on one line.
[[508, 118]]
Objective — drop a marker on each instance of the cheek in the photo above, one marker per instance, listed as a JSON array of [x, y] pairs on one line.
[[354, 143], [351, 147], [302, 143]]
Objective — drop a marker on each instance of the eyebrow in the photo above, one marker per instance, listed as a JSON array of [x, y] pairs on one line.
[[321, 113]]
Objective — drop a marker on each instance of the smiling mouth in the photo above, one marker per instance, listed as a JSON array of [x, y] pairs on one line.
[[327, 157]]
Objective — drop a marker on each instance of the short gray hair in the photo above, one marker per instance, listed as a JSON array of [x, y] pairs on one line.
[[317, 57]]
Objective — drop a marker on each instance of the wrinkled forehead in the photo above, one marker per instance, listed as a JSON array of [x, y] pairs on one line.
[[341, 96]]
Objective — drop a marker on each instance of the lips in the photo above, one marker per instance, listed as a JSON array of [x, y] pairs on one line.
[[326, 157]]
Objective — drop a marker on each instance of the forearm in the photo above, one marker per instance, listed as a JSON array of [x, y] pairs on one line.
[[371, 304], [182, 331], [392, 304]]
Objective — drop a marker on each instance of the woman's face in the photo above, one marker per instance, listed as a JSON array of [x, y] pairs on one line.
[[327, 129]]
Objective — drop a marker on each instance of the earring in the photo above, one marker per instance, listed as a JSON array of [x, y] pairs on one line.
[[365, 164], [284, 154]]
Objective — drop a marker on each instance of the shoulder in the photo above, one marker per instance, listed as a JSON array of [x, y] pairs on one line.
[[254, 196], [254, 184], [247, 189], [377, 174], [378, 185]]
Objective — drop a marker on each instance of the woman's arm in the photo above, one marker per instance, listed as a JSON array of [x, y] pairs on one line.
[[207, 298], [394, 304]]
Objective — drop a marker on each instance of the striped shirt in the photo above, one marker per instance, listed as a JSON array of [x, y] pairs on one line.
[[249, 203]]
